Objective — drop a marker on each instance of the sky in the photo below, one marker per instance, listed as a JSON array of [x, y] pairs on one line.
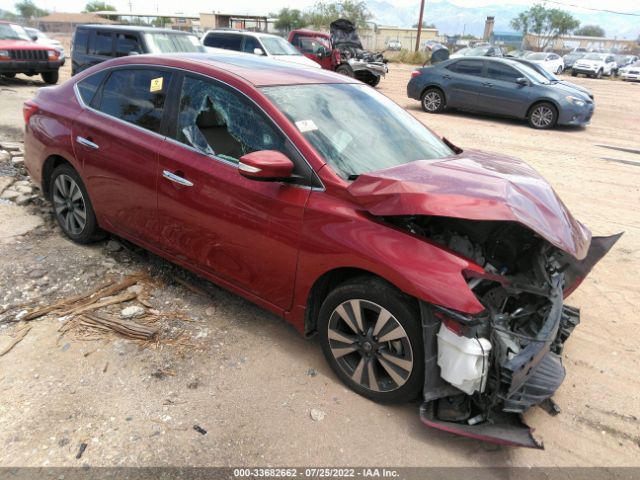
[[263, 7]]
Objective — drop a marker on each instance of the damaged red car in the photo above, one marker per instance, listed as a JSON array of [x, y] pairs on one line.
[[425, 270]]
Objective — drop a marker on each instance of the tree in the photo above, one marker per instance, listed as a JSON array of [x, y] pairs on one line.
[[323, 13], [547, 23], [28, 9], [97, 6], [425, 25], [590, 31], [7, 15], [288, 19]]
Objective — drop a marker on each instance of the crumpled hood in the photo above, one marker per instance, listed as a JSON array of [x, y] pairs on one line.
[[343, 33], [476, 186]]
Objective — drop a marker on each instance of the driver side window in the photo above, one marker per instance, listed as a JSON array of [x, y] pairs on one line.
[[221, 122]]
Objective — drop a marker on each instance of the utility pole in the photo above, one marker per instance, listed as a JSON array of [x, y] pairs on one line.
[[419, 25]]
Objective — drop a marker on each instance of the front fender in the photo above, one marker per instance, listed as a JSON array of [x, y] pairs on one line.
[[338, 236]]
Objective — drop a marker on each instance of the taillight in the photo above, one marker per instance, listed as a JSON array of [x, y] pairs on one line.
[[28, 109], [415, 73]]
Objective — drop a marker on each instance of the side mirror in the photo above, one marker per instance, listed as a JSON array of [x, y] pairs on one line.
[[522, 81], [258, 51], [265, 165], [34, 37]]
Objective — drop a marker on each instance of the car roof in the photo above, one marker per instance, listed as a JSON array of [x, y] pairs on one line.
[[241, 32], [259, 71], [133, 28]]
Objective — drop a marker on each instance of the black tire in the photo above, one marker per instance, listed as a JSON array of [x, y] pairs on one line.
[[559, 71], [574, 73], [373, 81], [369, 353], [599, 74], [71, 205], [543, 116], [432, 100], [9, 75], [50, 78], [345, 69]]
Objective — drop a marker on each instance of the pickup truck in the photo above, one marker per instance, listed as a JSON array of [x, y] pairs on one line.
[[19, 54]]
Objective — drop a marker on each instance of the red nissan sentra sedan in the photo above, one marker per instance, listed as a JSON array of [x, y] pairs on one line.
[[424, 269]]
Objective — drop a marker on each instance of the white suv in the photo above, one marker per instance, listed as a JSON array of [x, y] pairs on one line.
[[255, 43], [595, 65]]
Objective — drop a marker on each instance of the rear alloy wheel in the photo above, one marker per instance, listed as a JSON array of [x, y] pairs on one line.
[[371, 337], [543, 116], [50, 78], [432, 100], [72, 206]]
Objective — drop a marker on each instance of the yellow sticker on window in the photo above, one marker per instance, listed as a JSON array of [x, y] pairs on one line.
[[156, 84]]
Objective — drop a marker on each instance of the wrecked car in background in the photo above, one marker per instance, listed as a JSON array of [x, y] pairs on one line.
[[425, 270], [341, 51]]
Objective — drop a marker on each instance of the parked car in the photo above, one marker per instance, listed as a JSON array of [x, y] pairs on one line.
[[93, 44], [422, 268], [20, 54], [255, 43], [630, 72], [595, 65], [552, 78], [624, 60], [517, 53], [551, 62], [42, 39], [571, 58], [499, 86], [481, 51], [394, 45], [341, 51]]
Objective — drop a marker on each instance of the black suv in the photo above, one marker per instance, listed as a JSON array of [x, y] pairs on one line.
[[93, 44]]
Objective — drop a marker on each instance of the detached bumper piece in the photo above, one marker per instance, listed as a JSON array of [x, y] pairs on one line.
[[504, 428]]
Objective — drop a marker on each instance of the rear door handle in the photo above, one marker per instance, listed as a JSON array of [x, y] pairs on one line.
[[87, 143], [446, 77], [177, 179]]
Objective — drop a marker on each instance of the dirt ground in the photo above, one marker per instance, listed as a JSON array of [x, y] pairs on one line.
[[251, 381]]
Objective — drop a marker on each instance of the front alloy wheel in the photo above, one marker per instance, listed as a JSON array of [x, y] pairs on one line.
[[542, 116], [371, 337]]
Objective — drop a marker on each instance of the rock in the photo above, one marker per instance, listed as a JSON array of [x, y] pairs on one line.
[[23, 183], [210, 311], [23, 189], [37, 273], [11, 146], [17, 161], [5, 182], [137, 289], [23, 199], [132, 312], [9, 194], [113, 246], [312, 372], [4, 156], [317, 415]]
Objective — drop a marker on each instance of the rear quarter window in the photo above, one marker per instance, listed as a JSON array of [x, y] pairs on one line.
[[466, 67], [228, 42]]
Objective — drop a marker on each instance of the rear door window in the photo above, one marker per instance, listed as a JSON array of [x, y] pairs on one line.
[[221, 40], [127, 43], [136, 96], [102, 45], [467, 67], [88, 87]]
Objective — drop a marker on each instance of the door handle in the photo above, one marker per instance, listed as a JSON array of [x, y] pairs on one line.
[[177, 179], [446, 77], [87, 143], [487, 84]]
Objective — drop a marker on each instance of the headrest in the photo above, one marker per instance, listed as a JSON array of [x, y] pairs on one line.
[[210, 117]]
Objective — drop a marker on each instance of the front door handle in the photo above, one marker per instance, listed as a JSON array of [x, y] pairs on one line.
[[177, 179], [446, 77], [487, 84], [87, 143]]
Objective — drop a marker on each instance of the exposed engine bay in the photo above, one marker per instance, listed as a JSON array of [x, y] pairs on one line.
[[345, 38], [483, 370]]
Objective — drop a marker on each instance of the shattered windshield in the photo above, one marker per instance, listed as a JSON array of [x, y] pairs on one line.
[[279, 46], [10, 31], [356, 129]]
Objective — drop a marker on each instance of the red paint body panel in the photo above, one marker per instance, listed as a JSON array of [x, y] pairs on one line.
[[474, 186]]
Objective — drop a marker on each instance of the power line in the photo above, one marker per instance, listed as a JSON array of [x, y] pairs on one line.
[[594, 9]]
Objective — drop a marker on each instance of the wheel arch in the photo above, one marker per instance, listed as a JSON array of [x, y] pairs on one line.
[[50, 164], [538, 101], [327, 282]]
